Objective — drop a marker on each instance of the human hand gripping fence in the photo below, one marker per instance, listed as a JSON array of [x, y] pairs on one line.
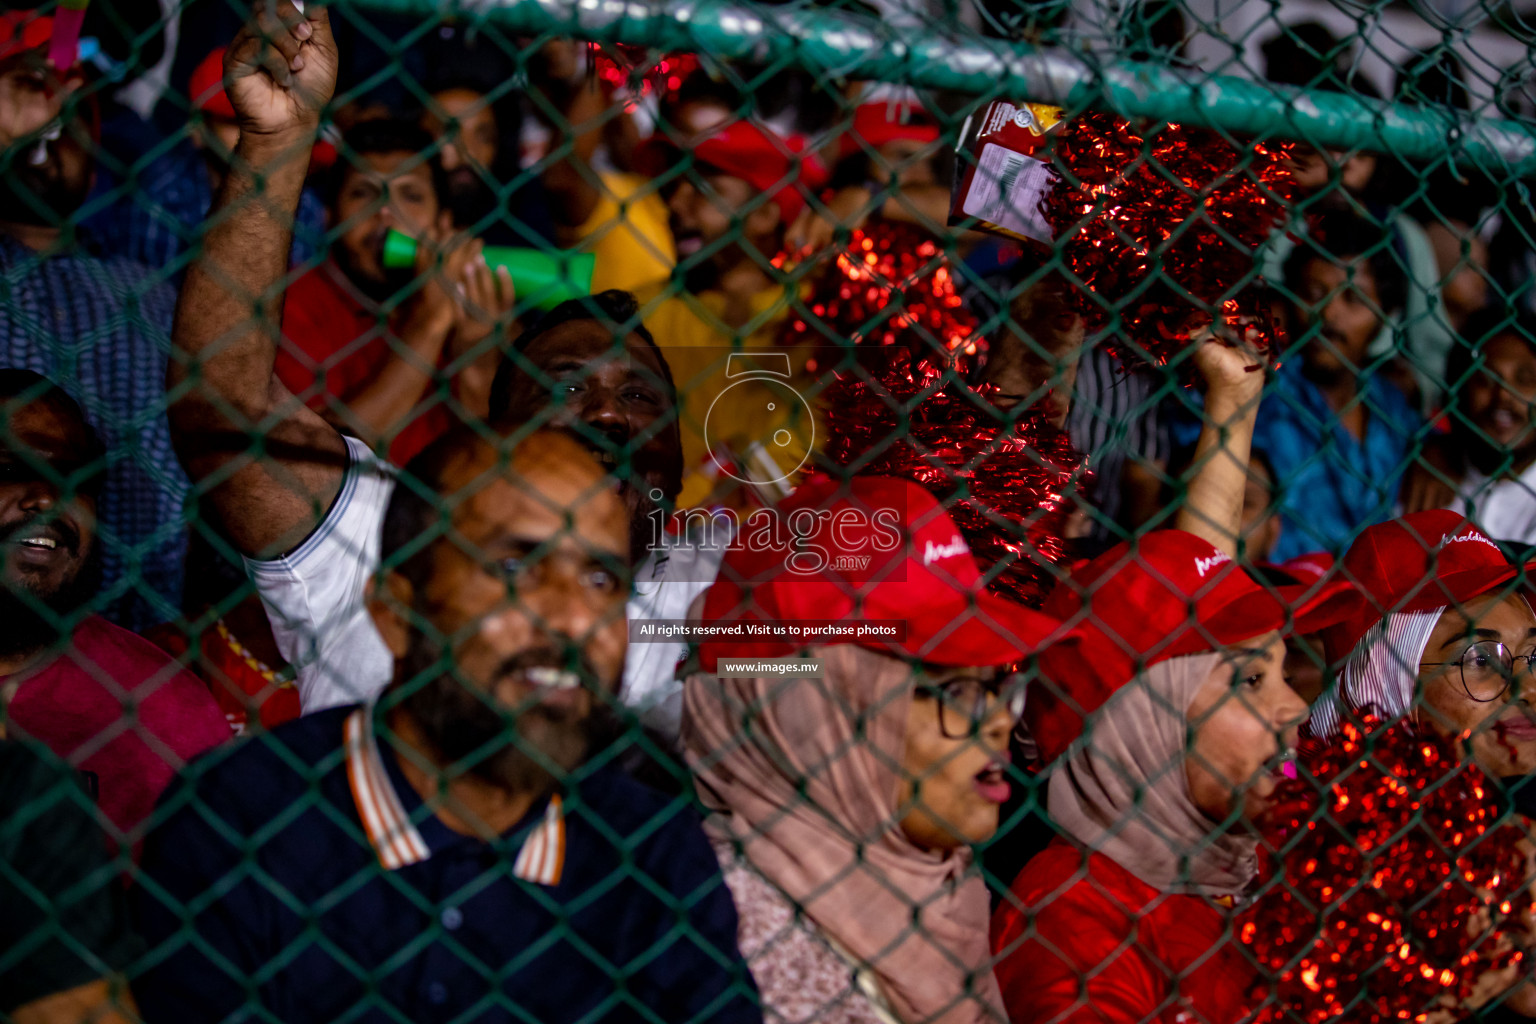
[[995, 512]]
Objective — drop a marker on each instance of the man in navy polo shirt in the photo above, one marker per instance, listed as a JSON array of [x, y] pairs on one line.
[[443, 854]]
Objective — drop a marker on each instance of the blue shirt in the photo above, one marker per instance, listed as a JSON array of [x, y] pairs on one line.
[[156, 217], [100, 329], [314, 876], [1331, 484]]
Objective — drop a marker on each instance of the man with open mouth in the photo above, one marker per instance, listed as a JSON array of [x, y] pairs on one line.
[[98, 696]]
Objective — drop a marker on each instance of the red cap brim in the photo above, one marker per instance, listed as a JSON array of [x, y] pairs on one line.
[[1454, 588], [1298, 609], [987, 631]]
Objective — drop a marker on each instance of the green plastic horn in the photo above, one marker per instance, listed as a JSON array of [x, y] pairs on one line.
[[542, 279]]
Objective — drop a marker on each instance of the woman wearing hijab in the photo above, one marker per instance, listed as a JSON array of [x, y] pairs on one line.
[[1444, 644], [1445, 639], [843, 806], [1169, 722]]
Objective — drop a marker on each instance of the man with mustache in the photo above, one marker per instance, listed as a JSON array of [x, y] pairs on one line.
[[305, 504], [442, 853], [95, 326], [98, 696], [376, 383], [1336, 432]]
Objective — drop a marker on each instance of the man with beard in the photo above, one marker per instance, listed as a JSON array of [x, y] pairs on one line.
[[96, 326], [443, 854], [306, 503], [107, 701], [380, 383], [1336, 432], [475, 119]]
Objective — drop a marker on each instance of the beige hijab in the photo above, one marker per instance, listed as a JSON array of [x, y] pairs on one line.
[[802, 774], [1124, 793]]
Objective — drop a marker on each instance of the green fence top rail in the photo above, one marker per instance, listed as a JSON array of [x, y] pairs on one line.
[[839, 43]]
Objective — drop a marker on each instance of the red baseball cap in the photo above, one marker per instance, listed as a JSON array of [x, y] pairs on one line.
[[207, 86], [779, 165], [876, 124], [1422, 561], [1167, 594], [21, 31], [919, 570]]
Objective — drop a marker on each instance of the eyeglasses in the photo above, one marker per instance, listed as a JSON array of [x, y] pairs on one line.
[[1488, 670], [966, 704]]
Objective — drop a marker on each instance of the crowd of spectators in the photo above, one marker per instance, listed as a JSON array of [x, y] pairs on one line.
[[319, 689]]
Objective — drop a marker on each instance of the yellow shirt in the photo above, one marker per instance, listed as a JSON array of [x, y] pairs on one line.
[[747, 407], [629, 233]]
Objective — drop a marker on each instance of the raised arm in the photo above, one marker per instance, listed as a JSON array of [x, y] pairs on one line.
[[267, 467], [1213, 503]]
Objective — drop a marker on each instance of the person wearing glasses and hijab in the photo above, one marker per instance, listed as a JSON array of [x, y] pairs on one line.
[[1445, 638], [843, 804], [1444, 643]]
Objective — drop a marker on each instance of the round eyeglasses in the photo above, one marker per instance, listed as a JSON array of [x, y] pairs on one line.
[[1488, 670], [966, 704]]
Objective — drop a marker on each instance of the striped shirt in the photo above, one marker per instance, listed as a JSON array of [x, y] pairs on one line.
[[100, 329], [157, 216], [1116, 420]]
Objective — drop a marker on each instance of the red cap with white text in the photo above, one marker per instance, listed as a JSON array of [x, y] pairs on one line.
[[869, 548], [1167, 594], [1422, 561]]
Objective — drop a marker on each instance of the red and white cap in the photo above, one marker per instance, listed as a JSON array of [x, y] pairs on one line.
[[1167, 594], [919, 570], [1423, 561]]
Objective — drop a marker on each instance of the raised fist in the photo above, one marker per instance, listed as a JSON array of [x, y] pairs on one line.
[[280, 71]]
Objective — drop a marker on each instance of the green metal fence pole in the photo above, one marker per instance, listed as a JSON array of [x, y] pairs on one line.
[[855, 46]]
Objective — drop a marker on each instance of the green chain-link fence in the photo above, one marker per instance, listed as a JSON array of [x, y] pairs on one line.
[[916, 511]]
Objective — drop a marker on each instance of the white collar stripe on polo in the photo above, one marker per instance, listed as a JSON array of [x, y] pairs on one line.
[[393, 836], [542, 857], [396, 840]]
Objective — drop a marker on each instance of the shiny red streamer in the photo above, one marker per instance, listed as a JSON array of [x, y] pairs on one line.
[[642, 70], [1165, 224], [1391, 850], [897, 407]]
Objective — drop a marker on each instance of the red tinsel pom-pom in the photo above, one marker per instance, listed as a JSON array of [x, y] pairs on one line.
[[1396, 879], [1006, 485], [1165, 224], [891, 288], [897, 406]]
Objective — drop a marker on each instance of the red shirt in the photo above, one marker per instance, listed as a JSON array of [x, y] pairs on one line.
[[1104, 947], [335, 343], [114, 705]]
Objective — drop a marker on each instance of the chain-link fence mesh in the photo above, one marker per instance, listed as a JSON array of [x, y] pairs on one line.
[[885, 510]]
